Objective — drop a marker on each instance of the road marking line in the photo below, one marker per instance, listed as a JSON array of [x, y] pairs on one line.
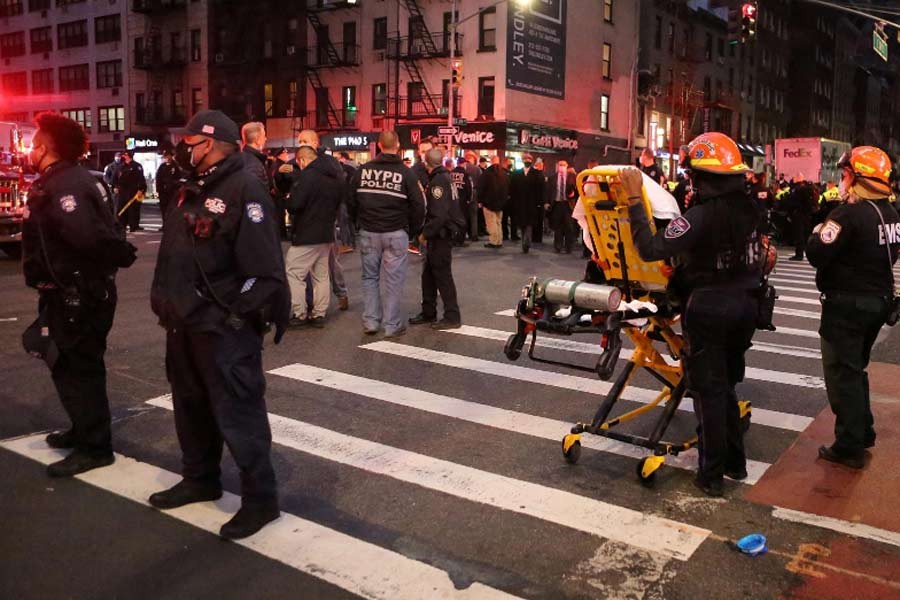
[[848, 527], [794, 273], [793, 312], [806, 333], [9, 319], [784, 288], [484, 414], [609, 521], [154, 242], [349, 563], [761, 416], [798, 300], [792, 280]]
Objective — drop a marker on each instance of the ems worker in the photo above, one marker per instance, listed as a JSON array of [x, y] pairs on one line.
[[443, 221], [219, 280], [714, 250], [387, 205], [72, 246], [853, 254]]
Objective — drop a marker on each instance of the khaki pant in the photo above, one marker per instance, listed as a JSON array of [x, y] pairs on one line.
[[492, 221], [312, 259]]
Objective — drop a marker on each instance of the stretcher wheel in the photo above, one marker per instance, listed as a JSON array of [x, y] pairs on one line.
[[745, 409], [513, 347], [647, 480], [573, 453]]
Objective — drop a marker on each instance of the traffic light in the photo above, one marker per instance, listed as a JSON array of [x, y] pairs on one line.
[[734, 26], [748, 21], [457, 73]]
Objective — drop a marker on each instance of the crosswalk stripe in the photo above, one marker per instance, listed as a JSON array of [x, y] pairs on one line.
[[847, 527], [793, 312], [794, 273], [561, 380], [798, 300], [805, 333], [349, 563], [641, 530], [484, 414], [784, 288], [793, 281]]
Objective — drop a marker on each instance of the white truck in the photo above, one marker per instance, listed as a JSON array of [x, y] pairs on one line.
[[811, 159]]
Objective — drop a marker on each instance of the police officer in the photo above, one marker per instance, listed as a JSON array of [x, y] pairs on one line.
[[464, 192], [443, 221], [168, 177], [387, 205], [716, 256], [219, 279], [853, 252], [72, 247], [129, 183]]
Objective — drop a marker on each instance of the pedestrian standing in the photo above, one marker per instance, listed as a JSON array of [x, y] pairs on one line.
[[509, 225], [443, 220], [168, 177], [526, 193], [650, 168], [313, 205], [130, 185], [493, 193], [72, 247], [109, 172], [559, 193], [464, 192], [853, 252], [718, 273], [253, 142], [800, 207], [473, 215], [346, 233], [387, 204], [281, 176], [219, 281]]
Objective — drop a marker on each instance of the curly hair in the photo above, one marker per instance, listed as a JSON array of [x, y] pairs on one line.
[[67, 138]]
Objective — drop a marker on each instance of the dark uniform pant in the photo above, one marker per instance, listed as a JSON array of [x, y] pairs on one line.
[[217, 391], [850, 324], [718, 326], [131, 218], [79, 372], [563, 227], [437, 276], [800, 226]]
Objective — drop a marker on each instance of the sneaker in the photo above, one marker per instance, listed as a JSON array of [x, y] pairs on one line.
[[61, 440], [343, 303], [736, 474], [370, 330], [317, 322], [445, 324], [831, 455], [421, 319], [395, 334], [713, 489], [490, 245], [79, 462], [184, 492], [247, 521]]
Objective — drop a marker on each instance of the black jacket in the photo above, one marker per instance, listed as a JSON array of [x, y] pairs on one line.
[[493, 188], [443, 215], [386, 196], [559, 209], [129, 180], [168, 178], [220, 253], [72, 211], [315, 198], [849, 251], [255, 162], [463, 184], [526, 195]]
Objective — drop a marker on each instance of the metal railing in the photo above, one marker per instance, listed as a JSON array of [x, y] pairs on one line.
[[431, 45], [157, 6], [333, 55]]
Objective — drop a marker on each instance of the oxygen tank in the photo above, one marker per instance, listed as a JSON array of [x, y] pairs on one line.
[[590, 296]]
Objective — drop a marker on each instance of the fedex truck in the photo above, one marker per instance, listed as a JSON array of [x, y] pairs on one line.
[[811, 159]]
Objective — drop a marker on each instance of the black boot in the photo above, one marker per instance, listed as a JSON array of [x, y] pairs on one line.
[[248, 520], [79, 462], [421, 319], [61, 440], [185, 492], [712, 488], [832, 455]]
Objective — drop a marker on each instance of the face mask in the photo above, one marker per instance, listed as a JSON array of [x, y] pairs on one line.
[[527, 164], [184, 155]]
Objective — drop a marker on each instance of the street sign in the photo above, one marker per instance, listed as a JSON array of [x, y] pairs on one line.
[[448, 130], [879, 43]]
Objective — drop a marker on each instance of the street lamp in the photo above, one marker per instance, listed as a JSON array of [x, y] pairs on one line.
[[456, 66]]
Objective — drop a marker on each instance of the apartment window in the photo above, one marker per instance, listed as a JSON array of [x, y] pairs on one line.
[[415, 94], [109, 74], [10, 8], [350, 54], [671, 37], [15, 84], [379, 33], [112, 118], [72, 34], [196, 100], [657, 34], [708, 48], [607, 10], [707, 88], [195, 45], [604, 112], [42, 81], [269, 99], [486, 96], [107, 29], [178, 105], [487, 30], [41, 39], [36, 5], [322, 106], [348, 103], [74, 77], [606, 62], [12, 44], [445, 94], [82, 116], [379, 99]]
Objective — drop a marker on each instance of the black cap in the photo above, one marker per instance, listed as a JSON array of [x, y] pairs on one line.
[[280, 150], [213, 124]]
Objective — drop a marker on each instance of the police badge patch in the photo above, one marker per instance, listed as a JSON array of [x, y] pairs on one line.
[[216, 206], [68, 203], [829, 232], [437, 192], [677, 228], [255, 212]]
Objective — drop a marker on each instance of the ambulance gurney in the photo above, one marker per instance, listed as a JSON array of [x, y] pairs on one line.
[[625, 295]]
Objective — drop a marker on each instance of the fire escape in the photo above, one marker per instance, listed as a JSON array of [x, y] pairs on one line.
[[164, 67], [327, 55]]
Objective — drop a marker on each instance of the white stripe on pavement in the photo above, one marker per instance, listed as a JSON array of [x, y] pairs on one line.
[[484, 414], [793, 281], [354, 565], [641, 530], [806, 333], [784, 288], [793, 312], [848, 527], [795, 273], [797, 300], [561, 380]]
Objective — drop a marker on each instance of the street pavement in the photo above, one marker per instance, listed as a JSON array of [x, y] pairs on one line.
[[427, 466]]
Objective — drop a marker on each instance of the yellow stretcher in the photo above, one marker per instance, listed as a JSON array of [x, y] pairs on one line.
[[567, 308]]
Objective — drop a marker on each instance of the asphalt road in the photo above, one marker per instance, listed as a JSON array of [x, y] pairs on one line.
[[420, 467]]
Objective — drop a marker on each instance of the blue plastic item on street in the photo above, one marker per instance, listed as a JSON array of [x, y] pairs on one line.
[[753, 544]]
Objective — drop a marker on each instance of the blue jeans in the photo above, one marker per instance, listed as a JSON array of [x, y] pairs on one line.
[[384, 256]]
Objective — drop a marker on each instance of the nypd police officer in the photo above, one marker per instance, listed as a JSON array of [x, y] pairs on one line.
[[716, 256], [443, 222], [219, 279], [72, 247], [853, 252]]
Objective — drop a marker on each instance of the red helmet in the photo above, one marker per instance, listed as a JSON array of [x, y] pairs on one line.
[[716, 153], [869, 163]]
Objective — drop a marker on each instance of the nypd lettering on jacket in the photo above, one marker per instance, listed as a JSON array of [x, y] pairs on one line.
[[459, 179], [381, 180]]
